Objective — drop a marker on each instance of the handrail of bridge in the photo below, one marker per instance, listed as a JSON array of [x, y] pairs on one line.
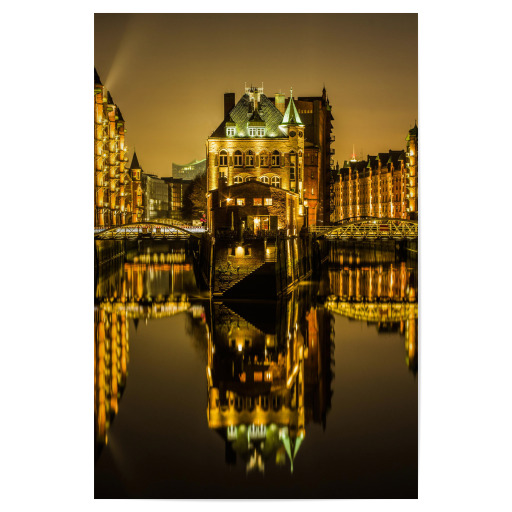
[[369, 228], [156, 229]]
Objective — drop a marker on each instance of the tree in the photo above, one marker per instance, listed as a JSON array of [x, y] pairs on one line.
[[194, 200]]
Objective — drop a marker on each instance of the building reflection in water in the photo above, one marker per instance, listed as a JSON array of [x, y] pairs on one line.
[[140, 286], [269, 366], [379, 287], [269, 373]]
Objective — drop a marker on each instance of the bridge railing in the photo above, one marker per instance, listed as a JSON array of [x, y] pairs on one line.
[[369, 228]]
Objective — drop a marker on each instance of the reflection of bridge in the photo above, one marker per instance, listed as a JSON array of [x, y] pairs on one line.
[[373, 311], [369, 229], [158, 307], [149, 230]]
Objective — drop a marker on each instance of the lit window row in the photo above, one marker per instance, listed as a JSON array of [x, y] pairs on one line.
[[257, 201], [275, 181], [238, 159]]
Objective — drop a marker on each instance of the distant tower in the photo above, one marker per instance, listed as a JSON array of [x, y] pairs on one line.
[[353, 159]]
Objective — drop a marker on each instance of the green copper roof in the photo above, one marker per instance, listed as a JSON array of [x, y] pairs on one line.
[[291, 116]]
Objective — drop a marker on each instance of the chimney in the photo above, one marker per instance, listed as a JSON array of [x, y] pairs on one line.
[[280, 102], [229, 102]]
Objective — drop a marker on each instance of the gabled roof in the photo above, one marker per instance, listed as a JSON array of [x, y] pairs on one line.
[[394, 157], [256, 119], [97, 78], [135, 162], [109, 98], [291, 116], [372, 162], [242, 112]]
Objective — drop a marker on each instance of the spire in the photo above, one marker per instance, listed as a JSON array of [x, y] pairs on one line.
[[135, 162], [291, 116], [353, 159], [97, 78]]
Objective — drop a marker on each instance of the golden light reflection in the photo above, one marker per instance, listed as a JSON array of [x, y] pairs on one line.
[[260, 399]]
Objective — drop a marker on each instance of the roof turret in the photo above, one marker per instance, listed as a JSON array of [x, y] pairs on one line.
[[135, 162], [291, 116]]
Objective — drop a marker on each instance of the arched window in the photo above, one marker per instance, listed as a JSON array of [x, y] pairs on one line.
[[264, 179], [276, 181], [249, 159], [276, 159], [238, 179], [238, 158], [250, 178], [223, 160], [263, 159]]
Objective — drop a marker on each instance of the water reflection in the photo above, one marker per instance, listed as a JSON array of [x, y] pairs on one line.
[[144, 285], [269, 365], [269, 373], [379, 287]]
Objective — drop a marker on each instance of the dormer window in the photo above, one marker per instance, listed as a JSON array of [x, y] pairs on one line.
[[256, 132], [230, 131]]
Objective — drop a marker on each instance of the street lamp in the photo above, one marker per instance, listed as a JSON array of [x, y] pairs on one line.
[[306, 210]]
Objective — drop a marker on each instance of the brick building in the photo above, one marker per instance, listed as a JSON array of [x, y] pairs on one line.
[[384, 185], [112, 179], [265, 141], [137, 193]]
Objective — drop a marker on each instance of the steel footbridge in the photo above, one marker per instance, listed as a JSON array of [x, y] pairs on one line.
[[148, 230], [369, 228]]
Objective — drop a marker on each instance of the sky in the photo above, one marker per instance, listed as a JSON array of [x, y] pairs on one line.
[[168, 74]]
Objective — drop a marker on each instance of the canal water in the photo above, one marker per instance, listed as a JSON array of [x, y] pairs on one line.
[[312, 396]]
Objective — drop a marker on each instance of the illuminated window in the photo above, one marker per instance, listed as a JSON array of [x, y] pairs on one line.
[[263, 159], [275, 181], [230, 131], [249, 159], [238, 159], [223, 160], [250, 178], [264, 179], [238, 179], [240, 201], [256, 132], [276, 159], [268, 201], [257, 201]]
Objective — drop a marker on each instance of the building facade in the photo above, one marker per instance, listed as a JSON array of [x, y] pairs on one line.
[[316, 114], [112, 179], [177, 189], [384, 185], [263, 141], [137, 192], [189, 171], [156, 197]]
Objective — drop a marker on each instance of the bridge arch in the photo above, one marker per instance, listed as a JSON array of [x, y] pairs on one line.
[[155, 230]]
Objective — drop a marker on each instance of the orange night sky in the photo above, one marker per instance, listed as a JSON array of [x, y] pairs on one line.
[[168, 74]]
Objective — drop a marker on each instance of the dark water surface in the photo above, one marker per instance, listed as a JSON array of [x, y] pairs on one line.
[[314, 396]]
